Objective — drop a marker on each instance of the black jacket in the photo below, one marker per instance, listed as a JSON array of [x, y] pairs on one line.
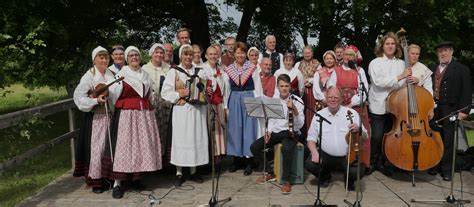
[[455, 86]]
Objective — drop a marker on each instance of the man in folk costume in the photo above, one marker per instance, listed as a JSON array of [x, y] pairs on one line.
[[168, 58], [348, 80], [387, 73], [228, 57], [117, 58], [189, 146], [216, 78], [452, 91], [135, 136], [270, 52], [90, 145], [183, 35], [157, 70], [279, 132], [338, 51], [333, 146], [297, 78], [268, 80]]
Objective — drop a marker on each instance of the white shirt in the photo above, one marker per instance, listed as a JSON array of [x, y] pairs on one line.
[[293, 73], [355, 100], [278, 125], [88, 82], [420, 71], [383, 74], [333, 136]]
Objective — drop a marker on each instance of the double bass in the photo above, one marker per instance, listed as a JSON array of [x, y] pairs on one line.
[[411, 144]]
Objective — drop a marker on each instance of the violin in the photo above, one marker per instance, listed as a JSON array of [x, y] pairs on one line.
[[291, 132], [102, 88], [354, 143]]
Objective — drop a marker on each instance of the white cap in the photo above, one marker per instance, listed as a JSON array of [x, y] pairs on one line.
[[181, 49], [153, 48], [97, 50], [129, 49]]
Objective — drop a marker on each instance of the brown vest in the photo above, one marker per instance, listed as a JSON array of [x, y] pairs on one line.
[[438, 78]]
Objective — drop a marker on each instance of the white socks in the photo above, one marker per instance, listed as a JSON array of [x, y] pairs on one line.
[[117, 183], [179, 170]]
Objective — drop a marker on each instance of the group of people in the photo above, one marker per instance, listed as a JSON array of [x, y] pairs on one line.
[[180, 109]]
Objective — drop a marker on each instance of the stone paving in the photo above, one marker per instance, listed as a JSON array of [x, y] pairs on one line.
[[378, 190]]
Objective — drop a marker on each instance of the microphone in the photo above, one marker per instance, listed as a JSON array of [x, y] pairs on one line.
[[352, 64]]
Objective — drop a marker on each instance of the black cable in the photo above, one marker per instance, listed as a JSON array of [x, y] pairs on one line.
[[152, 198], [391, 190]]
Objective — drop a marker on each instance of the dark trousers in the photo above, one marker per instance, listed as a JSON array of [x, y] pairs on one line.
[[288, 145], [380, 124], [330, 164], [447, 133]]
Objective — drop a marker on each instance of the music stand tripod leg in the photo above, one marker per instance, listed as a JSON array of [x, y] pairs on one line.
[[450, 198]]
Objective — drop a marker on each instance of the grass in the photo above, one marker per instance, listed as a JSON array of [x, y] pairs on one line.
[[470, 136], [16, 97], [19, 183]]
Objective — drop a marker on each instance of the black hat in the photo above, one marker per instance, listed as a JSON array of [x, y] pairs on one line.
[[444, 44]]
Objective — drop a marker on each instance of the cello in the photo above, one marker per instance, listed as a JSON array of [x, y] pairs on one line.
[[411, 144]]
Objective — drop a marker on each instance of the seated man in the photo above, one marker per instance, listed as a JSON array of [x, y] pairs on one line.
[[278, 132], [334, 146]]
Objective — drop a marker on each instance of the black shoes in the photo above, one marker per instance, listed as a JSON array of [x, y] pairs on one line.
[[117, 192], [196, 178], [387, 171], [370, 170], [233, 168], [432, 171], [179, 180], [248, 170], [137, 185], [98, 190], [446, 177]]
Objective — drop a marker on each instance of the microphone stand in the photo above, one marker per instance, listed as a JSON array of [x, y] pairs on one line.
[[318, 202], [362, 90], [453, 117], [214, 201]]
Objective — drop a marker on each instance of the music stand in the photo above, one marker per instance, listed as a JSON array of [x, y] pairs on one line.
[[266, 108], [453, 117]]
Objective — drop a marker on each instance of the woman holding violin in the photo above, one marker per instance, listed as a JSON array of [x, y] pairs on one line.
[[90, 145], [135, 137]]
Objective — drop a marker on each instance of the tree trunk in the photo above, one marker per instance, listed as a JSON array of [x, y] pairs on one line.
[[196, 18], [245, 22]]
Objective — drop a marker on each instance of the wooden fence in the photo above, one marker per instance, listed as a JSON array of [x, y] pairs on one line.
[[14, 118]]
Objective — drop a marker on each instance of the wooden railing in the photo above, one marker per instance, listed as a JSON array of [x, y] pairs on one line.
[[14, 118]]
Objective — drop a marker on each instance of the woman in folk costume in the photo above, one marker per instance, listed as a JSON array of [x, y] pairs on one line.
[[135, 137], [253, 55], [92, 139], [308, 66], [242, 130], [321, 78], [197, 60], [297, 78], [215, 88], [157, 70], [348, 80], [189, 145]]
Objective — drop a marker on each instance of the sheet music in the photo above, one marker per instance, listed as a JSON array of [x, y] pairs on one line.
[[256, 107]]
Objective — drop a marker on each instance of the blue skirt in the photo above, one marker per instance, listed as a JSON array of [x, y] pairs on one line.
[[242, 129]]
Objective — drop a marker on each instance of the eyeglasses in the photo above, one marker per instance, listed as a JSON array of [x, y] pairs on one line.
[[333, 98], [133, 55]]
